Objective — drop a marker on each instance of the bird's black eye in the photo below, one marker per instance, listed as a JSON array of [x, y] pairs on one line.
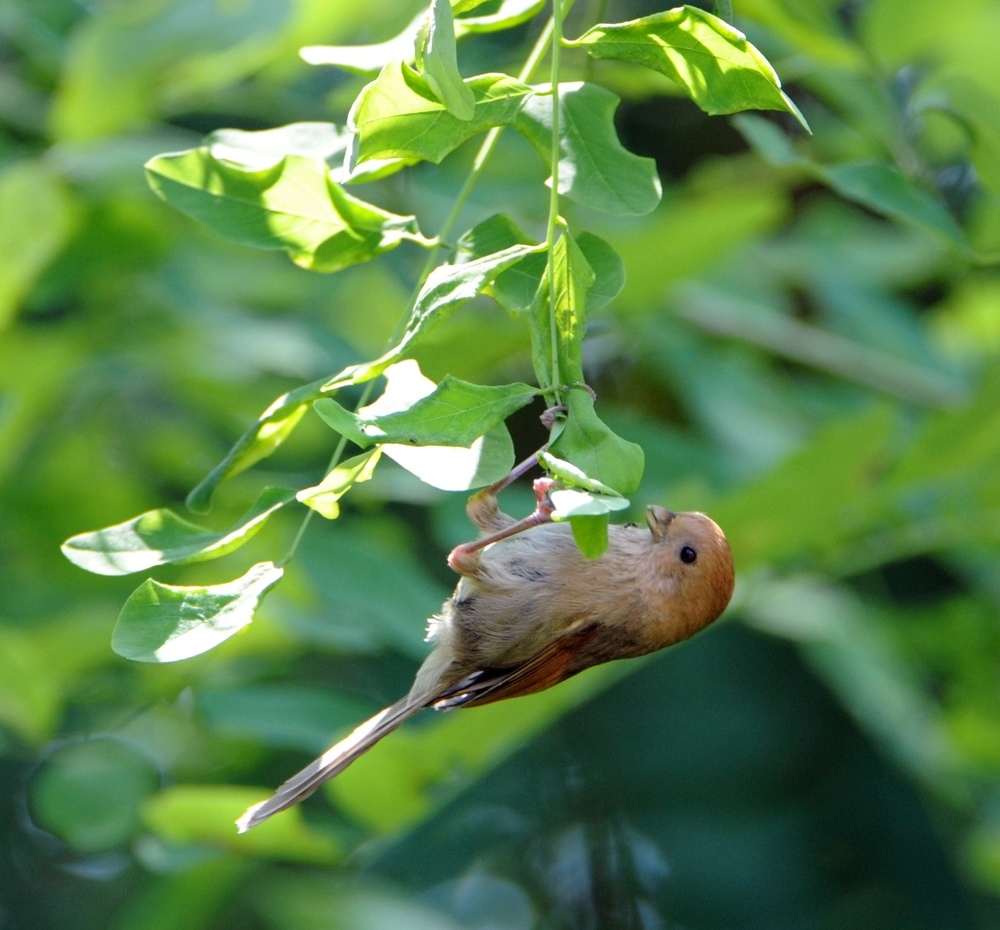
[[688, 555]]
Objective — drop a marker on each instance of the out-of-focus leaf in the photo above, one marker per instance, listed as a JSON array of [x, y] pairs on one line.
[[437, 60], [708, 58], [289, 716], [89, 793], [30, 687], [595, 170], [399, 116], [191, 897], [292, 901], [874, 185], [188, 814], [844, 641], [882, 188], [294, 205], [165, 623], [124, 64], [829, 484], [158, 537], [39, 216], [957, 445], [589, 445], [455, 414], [324, 497]]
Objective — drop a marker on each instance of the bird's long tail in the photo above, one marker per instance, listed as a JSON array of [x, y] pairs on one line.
[[331, 763]]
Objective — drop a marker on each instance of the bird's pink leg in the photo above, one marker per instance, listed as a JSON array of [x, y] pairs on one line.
[[465, 559]]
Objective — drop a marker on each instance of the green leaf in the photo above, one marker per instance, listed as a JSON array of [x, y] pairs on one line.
[[455, 414], [875, 185], [708, 58], [590, 535], [486, 453], [324, 497], [293, 205], [458, 468], [270, 430], [885, 190], [39, 216], [266, 148], [593, 448], [516, 289], [447, 287], [568, 305], [437, 60], [505, 15], [398, 115], [158, 537], [588, 517], [283, 715], [595, 170], [89, 793], [164, 623]]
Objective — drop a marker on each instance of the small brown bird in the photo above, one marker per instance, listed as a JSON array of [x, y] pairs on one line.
[[530, 611]]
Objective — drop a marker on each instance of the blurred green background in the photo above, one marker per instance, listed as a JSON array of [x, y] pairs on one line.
[[808, 348]]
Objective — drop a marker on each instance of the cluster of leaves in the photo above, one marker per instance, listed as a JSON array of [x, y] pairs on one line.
[[288, 189], [806, 346]]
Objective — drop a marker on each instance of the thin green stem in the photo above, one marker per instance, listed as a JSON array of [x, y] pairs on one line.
[[485, 150], [334, 462], [550, 239]]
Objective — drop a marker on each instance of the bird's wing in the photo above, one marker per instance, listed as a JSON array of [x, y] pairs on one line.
[[556, 661]]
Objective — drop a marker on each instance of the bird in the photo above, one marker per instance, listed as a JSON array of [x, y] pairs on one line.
[[529, 611]]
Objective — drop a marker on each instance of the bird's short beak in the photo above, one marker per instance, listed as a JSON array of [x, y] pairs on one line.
[[658, 519]]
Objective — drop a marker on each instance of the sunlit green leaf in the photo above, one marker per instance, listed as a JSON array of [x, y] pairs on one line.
[[293, 205], [158, 537], [262, 149], [165, 623], [708, 58], [324, 497], [454, 415], [399, 116], [437, 60], [595, 170]]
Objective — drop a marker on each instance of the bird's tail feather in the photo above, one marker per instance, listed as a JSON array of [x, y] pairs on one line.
[[331, 763]]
